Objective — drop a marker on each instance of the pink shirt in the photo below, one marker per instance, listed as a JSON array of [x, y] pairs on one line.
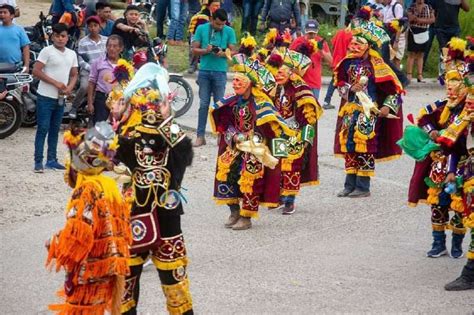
[[102, 74]]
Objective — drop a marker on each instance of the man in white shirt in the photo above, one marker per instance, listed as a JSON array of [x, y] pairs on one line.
[[394, 10], [56, 68], [90, 48]]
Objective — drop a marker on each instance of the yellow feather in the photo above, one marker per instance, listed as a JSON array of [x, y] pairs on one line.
[[270, 36], [457, 44], [248, 41]]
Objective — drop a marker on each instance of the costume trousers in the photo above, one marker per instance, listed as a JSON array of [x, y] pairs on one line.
[[359, 168], [440, 220], [170, 260], [290, 180]]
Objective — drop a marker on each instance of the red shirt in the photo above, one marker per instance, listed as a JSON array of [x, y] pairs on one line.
[[340, 42], [313, 74]]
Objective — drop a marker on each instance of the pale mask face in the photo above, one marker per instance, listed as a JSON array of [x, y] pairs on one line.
[[241, 84], [358, 46], [469, 105], [456, 91], [283, 75]]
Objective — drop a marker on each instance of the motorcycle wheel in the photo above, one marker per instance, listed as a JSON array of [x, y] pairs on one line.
[[184, 95], [10, 118], [29, 120]]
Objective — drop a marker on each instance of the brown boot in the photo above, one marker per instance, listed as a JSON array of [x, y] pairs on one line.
[[233, 218], [244, 223], [200, 141]]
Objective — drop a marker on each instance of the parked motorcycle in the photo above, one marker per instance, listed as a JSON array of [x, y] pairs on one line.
[[29, 97], [39, 34], [147, 10], [13, 80]]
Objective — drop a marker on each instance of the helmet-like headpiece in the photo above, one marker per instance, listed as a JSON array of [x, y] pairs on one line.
[[91, 149]]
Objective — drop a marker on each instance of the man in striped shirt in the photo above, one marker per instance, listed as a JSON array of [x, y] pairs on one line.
[[90, 48]]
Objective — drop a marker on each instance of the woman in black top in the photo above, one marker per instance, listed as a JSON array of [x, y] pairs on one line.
[[420, 17]]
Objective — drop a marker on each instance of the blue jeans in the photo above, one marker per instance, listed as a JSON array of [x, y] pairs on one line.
[[211, 83], [444, 36], [179, 12], [330, 92], [354, 181], [251, 11], [316, 93], [49, 115], [101, 111], [194, 7], [161, 8]]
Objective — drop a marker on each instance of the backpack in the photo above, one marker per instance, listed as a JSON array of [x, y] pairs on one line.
[[405, 14]]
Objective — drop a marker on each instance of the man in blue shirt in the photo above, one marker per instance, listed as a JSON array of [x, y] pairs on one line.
[[14, 43], [210, 43], [104, 12]]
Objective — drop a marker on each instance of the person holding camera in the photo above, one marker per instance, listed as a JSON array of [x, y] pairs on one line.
[[210, 43]]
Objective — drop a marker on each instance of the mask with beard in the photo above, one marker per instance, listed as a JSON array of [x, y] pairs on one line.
[[358, 46], [241, 83]]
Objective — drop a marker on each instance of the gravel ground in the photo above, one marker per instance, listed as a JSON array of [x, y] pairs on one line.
[[331, 256]]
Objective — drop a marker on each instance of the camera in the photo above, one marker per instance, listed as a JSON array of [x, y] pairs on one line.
[[215, 49]]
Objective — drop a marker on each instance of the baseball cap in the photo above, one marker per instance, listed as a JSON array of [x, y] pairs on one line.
[[93, 18], [312, 26]]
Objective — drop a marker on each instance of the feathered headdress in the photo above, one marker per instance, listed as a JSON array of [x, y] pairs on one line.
[[247, 44], [454, 57], [374, 34], [469, 53], [262, 55], [456, 48], [269, 40], [393, 27], [364, 13], [123, 72], [274, 62], [283, 39], [308, 48], [275, 39]]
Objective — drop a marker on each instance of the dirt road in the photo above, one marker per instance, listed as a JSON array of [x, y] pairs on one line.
[[30, 10]]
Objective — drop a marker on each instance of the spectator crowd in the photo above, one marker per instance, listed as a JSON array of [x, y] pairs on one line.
[[206, 27]]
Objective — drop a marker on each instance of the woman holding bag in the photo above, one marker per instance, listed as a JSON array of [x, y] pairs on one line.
[[420, 17]]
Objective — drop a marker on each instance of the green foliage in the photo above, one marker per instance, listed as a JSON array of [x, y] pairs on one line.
[[178, 56]]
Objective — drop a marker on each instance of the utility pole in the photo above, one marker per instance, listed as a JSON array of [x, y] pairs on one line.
[[343, 13]]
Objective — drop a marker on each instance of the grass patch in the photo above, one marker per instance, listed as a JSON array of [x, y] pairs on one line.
[[178, 56]]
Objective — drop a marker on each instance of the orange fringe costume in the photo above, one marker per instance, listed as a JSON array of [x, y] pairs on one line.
[[93, 246]]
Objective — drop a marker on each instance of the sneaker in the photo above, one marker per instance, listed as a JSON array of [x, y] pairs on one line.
[[460, 284], [344, 193], [437, 251], [39, 168], [328, 106], [288, 209], [359, 194], [54, 165]]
